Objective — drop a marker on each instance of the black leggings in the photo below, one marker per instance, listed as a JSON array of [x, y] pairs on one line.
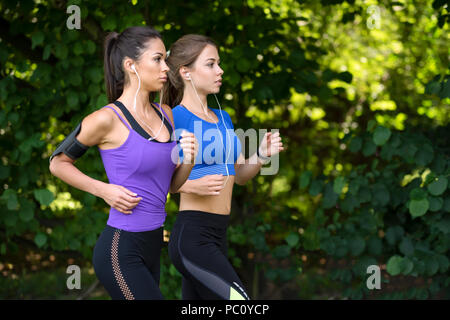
[[198, 249], [127, 263]]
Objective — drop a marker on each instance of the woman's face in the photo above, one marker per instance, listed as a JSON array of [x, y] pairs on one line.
[[152, 67], [206, 73]]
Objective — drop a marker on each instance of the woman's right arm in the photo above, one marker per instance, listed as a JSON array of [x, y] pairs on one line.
[[209, 185], [94, 129]]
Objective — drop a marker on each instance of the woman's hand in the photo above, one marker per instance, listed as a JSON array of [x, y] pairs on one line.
[[209, 185], [120, 198], [271, 144], [189, 145]]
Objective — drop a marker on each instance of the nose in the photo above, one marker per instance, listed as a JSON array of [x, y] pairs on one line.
[[165, 67], [220, 71]]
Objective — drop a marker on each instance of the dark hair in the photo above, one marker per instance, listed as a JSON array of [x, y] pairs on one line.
[[130, 43], [183, 52]]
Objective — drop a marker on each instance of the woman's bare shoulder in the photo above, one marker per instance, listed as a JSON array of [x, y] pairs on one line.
[[96, 125], [102, 118]]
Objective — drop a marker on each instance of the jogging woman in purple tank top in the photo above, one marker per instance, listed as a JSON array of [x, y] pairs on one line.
[[137, 147]]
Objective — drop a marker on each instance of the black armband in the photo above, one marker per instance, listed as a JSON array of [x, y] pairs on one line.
[[70, 146]]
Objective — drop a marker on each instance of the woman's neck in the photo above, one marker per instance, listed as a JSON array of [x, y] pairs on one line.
[[195, 103], [142, 100]]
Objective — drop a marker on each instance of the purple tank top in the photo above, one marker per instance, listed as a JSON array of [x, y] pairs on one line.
[[143, 167]]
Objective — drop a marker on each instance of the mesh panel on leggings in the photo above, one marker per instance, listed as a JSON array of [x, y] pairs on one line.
[[116, 267]]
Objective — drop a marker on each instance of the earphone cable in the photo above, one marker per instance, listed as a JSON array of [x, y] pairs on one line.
[[204, 109], [134, 106]]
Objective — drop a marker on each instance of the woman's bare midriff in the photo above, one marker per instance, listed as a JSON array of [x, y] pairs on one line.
[[220, 204]]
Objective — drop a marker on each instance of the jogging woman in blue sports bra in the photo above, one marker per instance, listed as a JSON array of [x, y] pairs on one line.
[[137, 154], [198, 246]]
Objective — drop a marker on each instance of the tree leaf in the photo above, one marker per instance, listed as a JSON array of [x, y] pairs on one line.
[[44, 196], [406, 247], [345, 76], [355, 144], [394, 234], [418, 208], [26, 210], [329, 197], [369, 147], [338, 185], [432, 266], [305, 178], [37, 39], [436, 203], [394, 265], [433, 87], [316, 187], [437, 187], [40, 239], [425, 155], [292, 239], [407, 266], [381, 135], [10, 197]]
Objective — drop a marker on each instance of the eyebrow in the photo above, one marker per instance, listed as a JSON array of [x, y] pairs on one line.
[[158, 53], [212, 59]]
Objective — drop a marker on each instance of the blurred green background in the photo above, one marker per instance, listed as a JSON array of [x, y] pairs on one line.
[[359, 90]]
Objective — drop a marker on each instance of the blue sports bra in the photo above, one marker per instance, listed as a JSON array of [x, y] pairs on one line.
[[211, 152]]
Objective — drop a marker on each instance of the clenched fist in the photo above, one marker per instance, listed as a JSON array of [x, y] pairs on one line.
[[271, 144], [189, 145]]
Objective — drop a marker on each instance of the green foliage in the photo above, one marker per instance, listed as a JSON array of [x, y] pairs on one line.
[[385, 216], [365, 197], [440, 84]]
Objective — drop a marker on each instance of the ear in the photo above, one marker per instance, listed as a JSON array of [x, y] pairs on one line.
[[127, 63], [184, 73]]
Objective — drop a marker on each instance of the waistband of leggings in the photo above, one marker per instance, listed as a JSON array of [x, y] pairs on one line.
[[150, 233], [203, 218]]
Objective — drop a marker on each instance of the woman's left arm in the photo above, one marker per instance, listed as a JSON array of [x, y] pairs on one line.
[[180, 176], [246, 169], [189, 145]]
